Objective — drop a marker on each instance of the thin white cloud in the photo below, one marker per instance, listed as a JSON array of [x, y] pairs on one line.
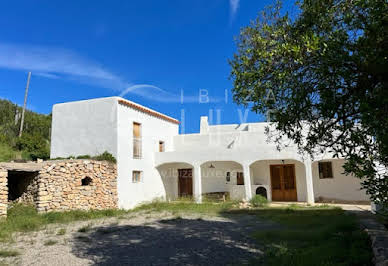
[[233, 5], [55, 63], [157, 94], [52, 62], [46, 75]]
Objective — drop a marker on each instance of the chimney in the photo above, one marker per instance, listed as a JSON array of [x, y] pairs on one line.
[[204, 128]]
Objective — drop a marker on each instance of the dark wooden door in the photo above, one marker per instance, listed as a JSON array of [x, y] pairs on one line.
[[283, 182], [185, 182], [240, 178]]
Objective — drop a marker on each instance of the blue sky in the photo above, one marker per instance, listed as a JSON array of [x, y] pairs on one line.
[[147, 51]]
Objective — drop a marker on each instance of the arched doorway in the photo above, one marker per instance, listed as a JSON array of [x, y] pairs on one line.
[[284, 179], [222, 179], [177, 179]]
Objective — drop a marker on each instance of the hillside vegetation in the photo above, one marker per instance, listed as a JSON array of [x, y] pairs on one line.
[[35, 141]]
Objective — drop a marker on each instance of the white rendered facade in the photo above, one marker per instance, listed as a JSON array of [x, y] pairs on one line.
[[94, 126]]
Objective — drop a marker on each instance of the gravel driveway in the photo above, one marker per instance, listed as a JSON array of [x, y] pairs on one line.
[[144, 239]]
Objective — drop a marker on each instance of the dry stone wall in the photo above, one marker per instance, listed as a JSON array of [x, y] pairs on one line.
[[3, 192], [61, 185], [76, 184]]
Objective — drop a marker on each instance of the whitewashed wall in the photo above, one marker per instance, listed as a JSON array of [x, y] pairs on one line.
[[238, 192], [260, 172], [214, 179], [94, 126], [84, 128], [153, 130], [341, 187]]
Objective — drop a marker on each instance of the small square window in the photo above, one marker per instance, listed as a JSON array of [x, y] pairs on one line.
[[161, 146], [136, 176], [325, 170]]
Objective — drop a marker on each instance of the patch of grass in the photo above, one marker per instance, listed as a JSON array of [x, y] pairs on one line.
[[61, 232], [258, 201], [50, 242], [9, 253], [24, 218], [313, 236], [7, 153], [85, 229], [187, 206], [78, 215], [106, 156]]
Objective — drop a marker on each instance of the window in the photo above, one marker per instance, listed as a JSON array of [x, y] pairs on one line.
[[325, 170], [161, 146], [240, 178], [86, 181], [137, 141], [227, 176], [136, 176]]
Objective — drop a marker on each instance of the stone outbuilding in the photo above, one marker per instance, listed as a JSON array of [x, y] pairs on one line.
[[59, 185]]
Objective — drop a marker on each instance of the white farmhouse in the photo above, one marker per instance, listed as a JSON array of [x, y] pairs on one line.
[[155, 161]]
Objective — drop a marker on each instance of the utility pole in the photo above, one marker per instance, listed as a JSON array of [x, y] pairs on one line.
[[25, 103]]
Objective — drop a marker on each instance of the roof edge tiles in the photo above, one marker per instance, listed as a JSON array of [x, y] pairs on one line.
[[148, 111]]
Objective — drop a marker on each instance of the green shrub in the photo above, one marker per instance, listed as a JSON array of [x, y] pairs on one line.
[[84, 157], [6, 153], [258, 201], [106, 156], [35, 146]]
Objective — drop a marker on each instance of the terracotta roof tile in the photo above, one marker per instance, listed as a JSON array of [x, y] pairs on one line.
[[148, 111]]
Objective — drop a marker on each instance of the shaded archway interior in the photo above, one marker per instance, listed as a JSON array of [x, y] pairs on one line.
[[177, 179]]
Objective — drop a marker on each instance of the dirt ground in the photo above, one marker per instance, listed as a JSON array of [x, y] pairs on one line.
[[141, 239]]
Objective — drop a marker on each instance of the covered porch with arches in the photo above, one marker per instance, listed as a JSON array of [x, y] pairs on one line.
[[240, 173], [276, 179]]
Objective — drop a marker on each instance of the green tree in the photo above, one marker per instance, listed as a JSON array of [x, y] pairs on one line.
[[36, 134], [326, 70], [34, 146]]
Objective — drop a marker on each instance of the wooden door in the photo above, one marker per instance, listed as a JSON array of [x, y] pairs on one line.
[[283, 182], [185, 182], [277, 192], [240, 178]]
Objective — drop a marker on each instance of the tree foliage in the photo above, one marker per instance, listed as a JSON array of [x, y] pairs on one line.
[[327, 73], [35, 140]]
